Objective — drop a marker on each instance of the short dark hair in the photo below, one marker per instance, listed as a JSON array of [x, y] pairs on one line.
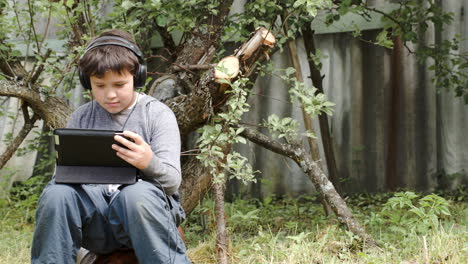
[[99, 60]]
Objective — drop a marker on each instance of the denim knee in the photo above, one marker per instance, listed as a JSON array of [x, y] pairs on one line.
[[139, 193], [55, 194]]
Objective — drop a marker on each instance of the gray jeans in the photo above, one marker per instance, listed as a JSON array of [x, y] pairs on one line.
[[139, 216]]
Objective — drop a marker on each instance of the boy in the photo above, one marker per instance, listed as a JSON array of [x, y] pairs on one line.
[[100, 218]]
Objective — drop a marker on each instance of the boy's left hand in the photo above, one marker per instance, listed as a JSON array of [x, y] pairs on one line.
[[138, 153]]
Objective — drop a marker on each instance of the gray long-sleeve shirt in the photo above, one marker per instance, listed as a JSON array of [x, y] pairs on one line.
[[155, 123]]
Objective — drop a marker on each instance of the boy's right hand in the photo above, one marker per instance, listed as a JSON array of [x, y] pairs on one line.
[[137, 153]]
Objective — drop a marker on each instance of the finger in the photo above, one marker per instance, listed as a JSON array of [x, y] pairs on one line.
[[134, 136], [124, 141], [128, 152], [124, 157], [122, 150], [130, 160]]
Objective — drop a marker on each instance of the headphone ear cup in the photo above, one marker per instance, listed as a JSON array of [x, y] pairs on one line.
[[84, 80], [140, 76]]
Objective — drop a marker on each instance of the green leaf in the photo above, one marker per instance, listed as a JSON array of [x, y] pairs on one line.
[[127, 4], [69, 3], [241, 140], [161, 21], [289, 71]]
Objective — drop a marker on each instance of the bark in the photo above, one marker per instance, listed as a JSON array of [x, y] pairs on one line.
[[221, 232], [325, 133], [199, 49], [325, 188], [203, 38], [314, 150], [52, 110], [11, 149], [194, 109], [197, 182], [11, 67], [78, 26]]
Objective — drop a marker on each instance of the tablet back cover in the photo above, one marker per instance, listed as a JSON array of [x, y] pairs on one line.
[[86, 156]]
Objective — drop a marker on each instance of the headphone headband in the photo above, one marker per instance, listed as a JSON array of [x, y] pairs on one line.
[[140, 74], [122, 43]]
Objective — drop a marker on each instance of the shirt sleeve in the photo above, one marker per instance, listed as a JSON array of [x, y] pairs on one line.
[[164, 168], [75, 119]]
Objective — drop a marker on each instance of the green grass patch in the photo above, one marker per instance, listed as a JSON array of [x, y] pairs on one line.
[[410, 228], [16, 230]]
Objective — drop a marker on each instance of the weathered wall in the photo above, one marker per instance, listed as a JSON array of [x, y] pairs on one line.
[[390, 126]]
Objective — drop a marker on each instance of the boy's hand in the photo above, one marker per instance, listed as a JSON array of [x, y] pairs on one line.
[[138, 153]]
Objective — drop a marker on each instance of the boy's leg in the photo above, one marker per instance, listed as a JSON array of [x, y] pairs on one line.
[[140, 218], [64, 214]]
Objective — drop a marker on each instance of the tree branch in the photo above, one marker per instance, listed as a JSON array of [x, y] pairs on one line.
[[318, 178], [11, 66], [167, 40], [11, 149], [193, 67], [52, 110], [40, 69]]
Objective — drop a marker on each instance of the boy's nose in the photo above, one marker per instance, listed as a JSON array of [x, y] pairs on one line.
[[110, 93]]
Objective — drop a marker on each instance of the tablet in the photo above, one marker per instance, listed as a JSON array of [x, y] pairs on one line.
[[86, 156]]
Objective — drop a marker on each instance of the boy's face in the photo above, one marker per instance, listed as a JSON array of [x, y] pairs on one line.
[[113, 91]]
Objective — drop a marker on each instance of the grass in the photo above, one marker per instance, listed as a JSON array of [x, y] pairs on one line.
[[16, 231], [294, 231]]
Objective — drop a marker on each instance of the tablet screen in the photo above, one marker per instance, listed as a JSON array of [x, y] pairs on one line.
[[86, 147]]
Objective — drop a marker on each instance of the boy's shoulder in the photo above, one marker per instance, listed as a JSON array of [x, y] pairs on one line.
[[153, 105], [83, 109], [158, 113], [80, 115]]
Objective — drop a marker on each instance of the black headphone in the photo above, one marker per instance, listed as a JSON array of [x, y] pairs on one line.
[[140, 73]]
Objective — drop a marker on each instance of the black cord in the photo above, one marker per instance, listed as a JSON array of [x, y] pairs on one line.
[[131, 112], [169, 218], [168, 211], [92, 114]]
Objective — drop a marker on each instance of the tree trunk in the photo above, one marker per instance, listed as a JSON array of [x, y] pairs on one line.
[[313, 146], [197, 182], [221, 232], [325, 134], [207, 98]]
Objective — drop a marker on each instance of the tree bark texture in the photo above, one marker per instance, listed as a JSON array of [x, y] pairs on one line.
[[52, 110], [197, 182], [193, 110], [318, 178], [221, 232], [314, 149], [317, 81], [14, 145]]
